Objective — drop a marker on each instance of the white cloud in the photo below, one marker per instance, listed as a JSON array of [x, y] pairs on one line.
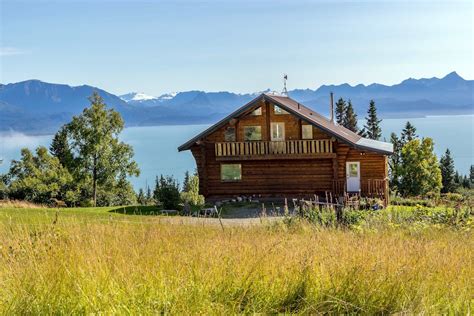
[[11, 51]]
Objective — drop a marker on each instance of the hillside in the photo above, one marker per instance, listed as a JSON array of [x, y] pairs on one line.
[[34, 106]]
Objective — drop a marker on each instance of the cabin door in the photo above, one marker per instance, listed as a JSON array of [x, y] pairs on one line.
[[353, 176]]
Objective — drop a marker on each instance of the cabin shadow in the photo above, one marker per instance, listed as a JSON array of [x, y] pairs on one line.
[[148, 210]]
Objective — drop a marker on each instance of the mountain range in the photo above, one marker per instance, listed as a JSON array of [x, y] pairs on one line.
[[36, 107]]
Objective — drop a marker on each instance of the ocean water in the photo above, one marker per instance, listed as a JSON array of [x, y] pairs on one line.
[[156, 146]]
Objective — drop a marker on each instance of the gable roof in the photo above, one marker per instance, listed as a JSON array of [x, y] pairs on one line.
[[340, 132]]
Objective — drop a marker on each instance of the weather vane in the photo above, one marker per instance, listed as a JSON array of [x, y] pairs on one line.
[[285, 78]]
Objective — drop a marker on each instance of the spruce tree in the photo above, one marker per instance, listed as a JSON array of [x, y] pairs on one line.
[[60, 148], [372, 129], [471, 174], [394, 161], [186, 182], [408, 133], [350, 119], [141, 197], [340, 111], [446, 165]]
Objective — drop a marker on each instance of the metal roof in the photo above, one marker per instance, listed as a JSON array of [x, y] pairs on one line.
[[340, 132]]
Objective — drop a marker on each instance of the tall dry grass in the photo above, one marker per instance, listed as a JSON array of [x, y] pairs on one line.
[[116, 267]]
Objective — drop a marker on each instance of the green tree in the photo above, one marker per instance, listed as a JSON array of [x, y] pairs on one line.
[[372, 128], [38, 178], [446, 165], [471, 174], [408, 133], [141, 199], [167, 192], [186, 182], [340, 111], [350, 118], [60, 148], [394, 162], [192, 196], [101, 159], [419, 171], [149, 196]]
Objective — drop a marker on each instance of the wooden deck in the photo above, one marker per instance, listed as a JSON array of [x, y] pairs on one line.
[[275, 149], [368, 188]]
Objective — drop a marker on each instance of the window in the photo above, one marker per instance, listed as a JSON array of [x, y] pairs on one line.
[[229, 134], [278, 110], [278, 131], [257, 111], [353, 170], [231, 172], [307, 131], [252, 133]]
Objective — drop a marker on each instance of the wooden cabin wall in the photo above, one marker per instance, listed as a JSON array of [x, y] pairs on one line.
[[275, 177], [372, 165]]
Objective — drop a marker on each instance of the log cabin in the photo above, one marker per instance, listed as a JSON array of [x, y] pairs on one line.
[[274, 146]]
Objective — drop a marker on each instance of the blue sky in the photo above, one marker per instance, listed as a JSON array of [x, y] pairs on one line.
[[241, 46]]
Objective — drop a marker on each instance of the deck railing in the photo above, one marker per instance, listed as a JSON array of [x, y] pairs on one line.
[[368, 188], [260, 148]]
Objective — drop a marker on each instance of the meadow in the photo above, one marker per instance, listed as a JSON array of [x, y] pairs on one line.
[[100, 260]]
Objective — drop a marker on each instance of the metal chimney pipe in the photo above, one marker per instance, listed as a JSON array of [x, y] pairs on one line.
[[331, 107]]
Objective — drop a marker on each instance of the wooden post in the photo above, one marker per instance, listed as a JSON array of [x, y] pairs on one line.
[[267, 121], [204, 170]]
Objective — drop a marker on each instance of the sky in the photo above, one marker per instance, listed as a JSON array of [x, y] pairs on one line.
[[157, 47]]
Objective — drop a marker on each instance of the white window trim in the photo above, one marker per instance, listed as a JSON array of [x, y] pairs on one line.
[[272, 127]]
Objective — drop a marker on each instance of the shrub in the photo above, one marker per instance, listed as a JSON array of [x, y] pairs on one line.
[[167, 192], [191, 194]]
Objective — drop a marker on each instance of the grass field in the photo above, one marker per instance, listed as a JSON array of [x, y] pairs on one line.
[[99, 260]]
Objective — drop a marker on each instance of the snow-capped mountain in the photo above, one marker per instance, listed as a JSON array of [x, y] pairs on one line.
[[136, 96], [143, 99]]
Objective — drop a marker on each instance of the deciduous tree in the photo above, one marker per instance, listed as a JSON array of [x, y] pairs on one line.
[[101, 159], [419, 171]]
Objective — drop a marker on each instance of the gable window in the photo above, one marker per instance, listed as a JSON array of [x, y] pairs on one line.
[[252, 133], [278, 131], [229, 135], [231, 172], [257, 111], [307, 131], [278, 110]]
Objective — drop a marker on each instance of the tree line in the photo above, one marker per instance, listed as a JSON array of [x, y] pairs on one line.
[[414, 168]]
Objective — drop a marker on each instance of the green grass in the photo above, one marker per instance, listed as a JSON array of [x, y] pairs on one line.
[[98, 260], [48, 215]]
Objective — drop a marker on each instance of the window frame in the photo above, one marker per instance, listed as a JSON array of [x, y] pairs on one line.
[[252, 126], [311, 129], [272, 128], [230, 164]]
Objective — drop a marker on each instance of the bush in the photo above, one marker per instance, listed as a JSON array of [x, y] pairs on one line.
[[167, 192], [191, 194]]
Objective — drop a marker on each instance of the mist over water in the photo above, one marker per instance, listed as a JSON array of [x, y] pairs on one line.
[[156, 146]]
